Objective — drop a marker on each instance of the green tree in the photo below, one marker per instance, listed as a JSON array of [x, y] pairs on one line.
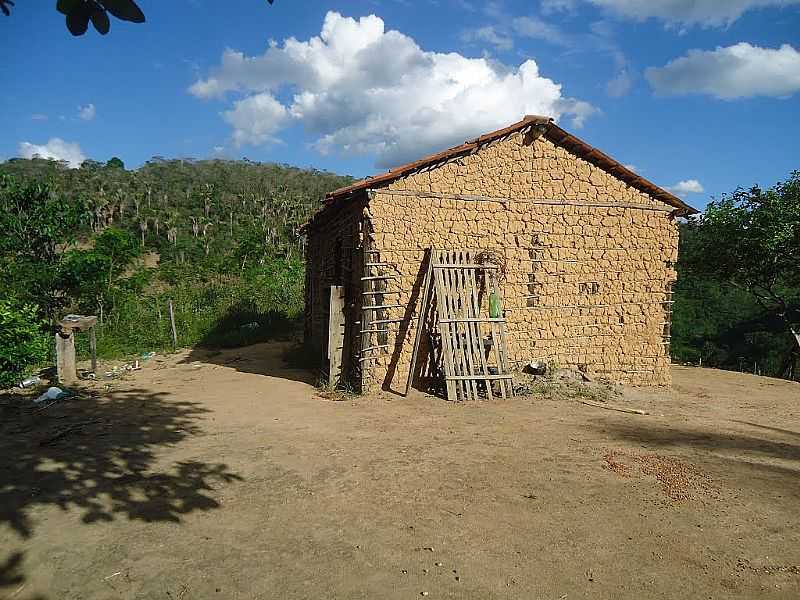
[[115, 163], [750, 240], [36, 226], [23, 343]]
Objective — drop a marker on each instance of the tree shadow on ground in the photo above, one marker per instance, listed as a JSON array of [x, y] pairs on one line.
[[263, 343], [744, 455], [243, 324], [703, 439], [96, 453]]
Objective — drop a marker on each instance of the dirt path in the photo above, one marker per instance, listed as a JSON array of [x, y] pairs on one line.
[[225, 476]]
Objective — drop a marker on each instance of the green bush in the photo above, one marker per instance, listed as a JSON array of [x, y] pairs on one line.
[[23, 343]]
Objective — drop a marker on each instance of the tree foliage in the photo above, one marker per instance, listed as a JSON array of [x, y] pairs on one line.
[[741, 258], [23, 343], [217, 238]]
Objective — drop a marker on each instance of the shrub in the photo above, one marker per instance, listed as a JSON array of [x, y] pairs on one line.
[[23, 343]]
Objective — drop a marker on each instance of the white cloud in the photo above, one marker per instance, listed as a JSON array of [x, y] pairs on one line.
[[39, 117], [688, 186], [708, 13], [88, 112], [491, 35], [551, 6], [360, 89], [736, 71], [620, 84], [535, 28], [712, 13], [256, 119], [56, 149]]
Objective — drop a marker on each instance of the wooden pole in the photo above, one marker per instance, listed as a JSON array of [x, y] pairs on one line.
[[93, 347], [335, 335], [423, 309], [172, 324]]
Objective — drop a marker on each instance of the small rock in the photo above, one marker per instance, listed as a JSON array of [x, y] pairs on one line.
[[438, 564], [423, 593]]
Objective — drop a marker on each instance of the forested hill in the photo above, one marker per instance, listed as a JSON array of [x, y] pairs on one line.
[[180, 192], [218, 238]]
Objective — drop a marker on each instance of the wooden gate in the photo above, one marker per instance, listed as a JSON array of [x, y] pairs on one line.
[[473, 341]]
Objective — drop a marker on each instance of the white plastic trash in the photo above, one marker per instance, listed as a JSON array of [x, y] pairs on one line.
[[52, 393]]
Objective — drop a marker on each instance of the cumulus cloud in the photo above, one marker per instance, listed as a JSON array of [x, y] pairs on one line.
[[56, 149], [737, 71], [361, 89], [688, 186], [256, 119], [88, 112], [712, 13]]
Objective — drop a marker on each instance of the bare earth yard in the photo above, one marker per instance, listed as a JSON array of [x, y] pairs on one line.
[[226, 476]]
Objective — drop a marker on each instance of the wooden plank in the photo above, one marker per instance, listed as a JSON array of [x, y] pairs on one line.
[[472, 266], [476, 310], [475, 320], [465, 337], [335, 335], [423, 310], [471, 343], [500, 348], [479, 377], [447, 351]]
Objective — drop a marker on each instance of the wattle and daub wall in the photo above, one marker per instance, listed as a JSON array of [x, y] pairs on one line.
[[588, 261]]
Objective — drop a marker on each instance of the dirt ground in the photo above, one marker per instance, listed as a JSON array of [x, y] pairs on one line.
[[226, 476]]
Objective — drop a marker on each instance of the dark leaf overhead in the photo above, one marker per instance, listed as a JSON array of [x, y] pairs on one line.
[[78, 13], [101, 22], [77, 23], [4, 4], [125, 10]]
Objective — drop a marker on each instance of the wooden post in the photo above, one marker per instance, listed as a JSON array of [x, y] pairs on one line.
[[335, 335], [423, 310], [65, 356], [93, 347], [172, 324]]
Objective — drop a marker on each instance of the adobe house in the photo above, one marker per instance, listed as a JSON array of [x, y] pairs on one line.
[[587, 247]]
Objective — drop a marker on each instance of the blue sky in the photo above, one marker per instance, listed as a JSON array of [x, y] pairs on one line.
[[700, 96]]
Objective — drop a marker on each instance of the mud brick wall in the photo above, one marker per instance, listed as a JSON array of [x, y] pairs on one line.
[[589, 260], [334, 257]]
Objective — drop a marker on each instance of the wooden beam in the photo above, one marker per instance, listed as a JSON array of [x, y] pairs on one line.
[[423, 308], [335, 335]]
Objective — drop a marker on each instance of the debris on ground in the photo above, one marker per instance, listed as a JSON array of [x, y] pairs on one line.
[[52, 393], [561, 383], [535, 367], [120, 370], [30, 382], [679, 480]]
